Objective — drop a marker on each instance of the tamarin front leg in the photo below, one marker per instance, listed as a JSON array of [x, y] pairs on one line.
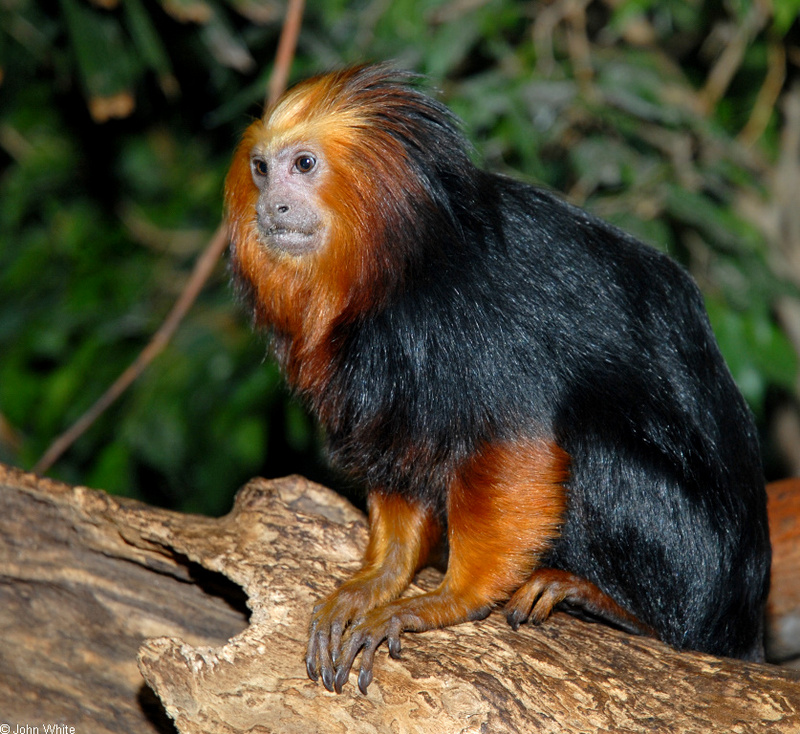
[[401, 536], [503, 511]]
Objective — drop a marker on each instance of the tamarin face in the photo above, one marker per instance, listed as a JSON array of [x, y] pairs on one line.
[[305, 182], [288, 179]]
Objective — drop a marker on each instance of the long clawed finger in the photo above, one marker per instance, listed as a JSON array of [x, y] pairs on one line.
[[337, 629], [318, 658], [347, 657], [312, 655]]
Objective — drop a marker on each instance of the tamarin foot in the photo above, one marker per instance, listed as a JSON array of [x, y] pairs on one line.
[[439, 608], [548, 587]]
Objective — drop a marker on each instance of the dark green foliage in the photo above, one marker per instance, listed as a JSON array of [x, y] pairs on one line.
[[116, 129]]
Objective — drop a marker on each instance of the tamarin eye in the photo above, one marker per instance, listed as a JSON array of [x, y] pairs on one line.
[[305, 163], [260, 167]]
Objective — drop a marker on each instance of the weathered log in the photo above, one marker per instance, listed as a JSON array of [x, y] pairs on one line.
[[86, 578], [80, 589]]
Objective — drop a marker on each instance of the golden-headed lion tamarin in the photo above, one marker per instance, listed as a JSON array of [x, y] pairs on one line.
[[504, 373]]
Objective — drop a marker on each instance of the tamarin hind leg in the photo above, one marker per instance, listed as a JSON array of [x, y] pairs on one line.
[[548, 587], [503, 511], [401, 536]]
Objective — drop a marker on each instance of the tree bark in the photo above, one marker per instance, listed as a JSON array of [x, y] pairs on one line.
[[86, 580]]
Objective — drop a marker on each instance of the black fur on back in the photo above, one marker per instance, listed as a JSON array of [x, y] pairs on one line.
[[522, 316]]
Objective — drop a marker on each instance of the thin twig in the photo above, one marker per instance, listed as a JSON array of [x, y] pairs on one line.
[[543, 30], [729, 61], [767, 96], [202, 270], [578, 43], [285, 53], [573, 12]]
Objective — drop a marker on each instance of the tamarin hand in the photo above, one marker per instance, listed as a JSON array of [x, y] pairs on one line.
[[505, 374]]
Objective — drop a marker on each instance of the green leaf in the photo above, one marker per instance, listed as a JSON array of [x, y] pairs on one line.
[[718, 223], [148, 44], [225, 45], [248, 441], [112, 469], [106, 66], [299, 431], [785, 13], [757, 351]]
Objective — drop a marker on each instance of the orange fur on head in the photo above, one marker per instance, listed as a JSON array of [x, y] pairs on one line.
[[369, 194]]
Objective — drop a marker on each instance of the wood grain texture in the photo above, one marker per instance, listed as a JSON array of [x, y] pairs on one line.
[[85, 578], [79, 592]]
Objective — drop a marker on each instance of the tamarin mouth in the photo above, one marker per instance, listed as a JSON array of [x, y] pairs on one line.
[[291, 241]]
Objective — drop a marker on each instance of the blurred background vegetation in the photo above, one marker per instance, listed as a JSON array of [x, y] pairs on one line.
[[678, 120]]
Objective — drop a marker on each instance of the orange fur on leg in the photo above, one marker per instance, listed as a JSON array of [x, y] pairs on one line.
[[504, 511], [401, 537]]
